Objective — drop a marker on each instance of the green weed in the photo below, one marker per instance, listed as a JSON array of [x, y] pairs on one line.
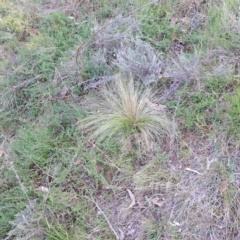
[[62, 33], [32, 149], [13, 20], [12, 199], [196, 112], [40, 118], [92, 69], [221, 26], [156, 26], [58, 232], [198, 109], [234, 112], [40, 56]]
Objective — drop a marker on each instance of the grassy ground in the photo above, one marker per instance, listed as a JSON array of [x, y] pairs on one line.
[[159, 161]]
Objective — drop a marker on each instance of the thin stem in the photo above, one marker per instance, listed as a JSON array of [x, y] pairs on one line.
[[104, 215]]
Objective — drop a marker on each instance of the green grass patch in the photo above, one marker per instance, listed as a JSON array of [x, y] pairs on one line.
[[234, 112], [12, 199], [221, 27], [70, 145], [156, 25]]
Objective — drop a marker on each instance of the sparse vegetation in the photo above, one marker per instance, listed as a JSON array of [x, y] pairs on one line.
[[119, 119]]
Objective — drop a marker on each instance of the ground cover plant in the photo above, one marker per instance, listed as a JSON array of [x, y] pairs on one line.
[[119, 119], [128, 116]]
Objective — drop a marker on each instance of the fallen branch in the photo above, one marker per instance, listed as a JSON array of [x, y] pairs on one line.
[[102, 81], [27, 82], [132, 198], [192, 170], [122, 235], [43, 170], [171, 91], [11, 165], [177, 59], [23, 188], [104, 215]]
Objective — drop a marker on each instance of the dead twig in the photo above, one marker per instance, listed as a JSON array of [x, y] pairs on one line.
[[23, 188], [122, 235], [43, 170], [27, 82], [178, 61], [112, 163], [99, 82], [104, 215], [195, 171], [132, 198], [76, 8]]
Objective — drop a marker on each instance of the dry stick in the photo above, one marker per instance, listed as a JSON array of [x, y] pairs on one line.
[[174, 90], [122, 235], [43, 170], [24, 190], [174, 140], [174, 87], [27, 82], [21, 184], [104, 215], [132, 198], [112, 164], [76, 8], [176, 108], [99, 82], [181, 65], [104, 27], [195, 171]]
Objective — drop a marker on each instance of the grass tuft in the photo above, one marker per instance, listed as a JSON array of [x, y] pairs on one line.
[[126, 171], [127, 115]]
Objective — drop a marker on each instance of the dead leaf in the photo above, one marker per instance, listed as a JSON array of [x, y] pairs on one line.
[[43, 189], [174, 20], [1, 153], [132, 198], [158, 202], [122, 235], [65, 91], [186, 20], [155, 106], [179, 230], [175, 224]]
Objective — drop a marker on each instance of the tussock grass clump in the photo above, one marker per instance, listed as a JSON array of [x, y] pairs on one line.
[[127, 115]]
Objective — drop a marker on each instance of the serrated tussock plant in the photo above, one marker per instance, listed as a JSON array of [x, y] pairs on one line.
[[126, 116]]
